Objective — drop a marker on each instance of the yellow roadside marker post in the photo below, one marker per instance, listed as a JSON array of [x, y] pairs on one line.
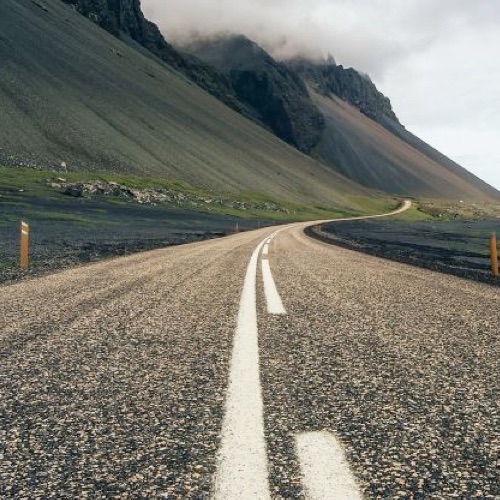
[[494, 254], [25, 245]]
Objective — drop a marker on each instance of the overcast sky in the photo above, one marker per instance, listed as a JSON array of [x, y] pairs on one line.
[[437, 60]]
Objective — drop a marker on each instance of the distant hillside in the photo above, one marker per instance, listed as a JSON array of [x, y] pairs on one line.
[[276, 95], [390, 158], [71, 92], [368, 153], [338, 116]]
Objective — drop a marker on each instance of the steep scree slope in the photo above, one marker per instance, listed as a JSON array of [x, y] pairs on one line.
[[364, 140], [125, 19], [70, 91]]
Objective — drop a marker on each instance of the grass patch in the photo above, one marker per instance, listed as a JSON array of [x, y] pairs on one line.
[[64, 217], [374, 205], [415, 214], [451, 211], [20, 186]]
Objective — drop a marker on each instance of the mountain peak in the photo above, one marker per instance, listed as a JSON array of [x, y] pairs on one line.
[[277, 96], [330, 60], [228, 52], [349, 85]]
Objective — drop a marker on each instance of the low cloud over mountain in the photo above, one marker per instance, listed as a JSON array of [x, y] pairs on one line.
[[366, 34]]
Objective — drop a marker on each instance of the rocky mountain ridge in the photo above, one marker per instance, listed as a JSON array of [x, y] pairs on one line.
[[357, 133], [275, 94], [350, 85], [125, 19], [243, 76]]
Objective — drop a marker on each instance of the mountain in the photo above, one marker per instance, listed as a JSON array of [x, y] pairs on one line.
[[351, 86], [364, 140], [126, 101], [125, 20], [276, 95], [357, 133], [71, 92]]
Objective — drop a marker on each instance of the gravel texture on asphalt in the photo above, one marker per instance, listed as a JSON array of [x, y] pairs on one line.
[[113, 376], [400, 363]]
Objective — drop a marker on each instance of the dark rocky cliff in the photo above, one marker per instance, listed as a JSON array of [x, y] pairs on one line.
[[348, 84], [276, 95], [119, 16]]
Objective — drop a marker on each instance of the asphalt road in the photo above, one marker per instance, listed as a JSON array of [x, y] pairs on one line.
[[164, 375]]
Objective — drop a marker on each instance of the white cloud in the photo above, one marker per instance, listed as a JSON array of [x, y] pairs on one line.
[[437, 61]]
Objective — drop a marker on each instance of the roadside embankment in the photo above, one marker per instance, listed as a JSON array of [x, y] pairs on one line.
[[460, 248]]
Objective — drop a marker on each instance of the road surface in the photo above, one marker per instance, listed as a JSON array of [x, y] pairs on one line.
[[261, 365]]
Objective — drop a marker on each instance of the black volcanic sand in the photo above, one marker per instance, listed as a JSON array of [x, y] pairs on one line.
[[457, 247], [62, 236]]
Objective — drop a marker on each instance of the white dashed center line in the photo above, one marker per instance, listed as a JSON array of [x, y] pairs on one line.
[[242, 465], [273, 299], [325, 471], [242, 462]]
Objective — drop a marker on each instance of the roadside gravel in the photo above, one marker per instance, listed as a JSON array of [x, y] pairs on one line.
[[459, 248], [113, 376]]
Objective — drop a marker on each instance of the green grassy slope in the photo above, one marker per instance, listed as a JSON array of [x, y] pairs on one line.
[[23, 191], [71, 92]]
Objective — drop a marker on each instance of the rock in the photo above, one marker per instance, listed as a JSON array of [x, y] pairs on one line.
[[277, 97], [75, 190], [153, 196]]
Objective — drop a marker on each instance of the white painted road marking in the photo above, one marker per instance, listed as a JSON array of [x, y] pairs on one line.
[[273, 299], [325, 471], [242, 471], [265, 250]]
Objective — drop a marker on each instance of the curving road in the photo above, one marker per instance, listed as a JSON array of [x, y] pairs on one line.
[[324, 372]]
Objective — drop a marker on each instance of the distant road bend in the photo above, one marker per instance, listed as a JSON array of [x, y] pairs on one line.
[[262, 365]]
